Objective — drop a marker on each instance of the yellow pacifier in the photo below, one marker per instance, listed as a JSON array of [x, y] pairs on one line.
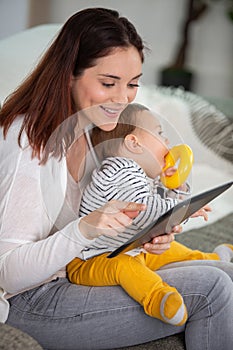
[[184, 155]]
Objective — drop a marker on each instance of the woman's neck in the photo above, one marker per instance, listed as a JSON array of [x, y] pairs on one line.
[[75, 158]]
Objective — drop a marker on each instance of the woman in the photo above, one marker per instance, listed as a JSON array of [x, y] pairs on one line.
[[94, 65]]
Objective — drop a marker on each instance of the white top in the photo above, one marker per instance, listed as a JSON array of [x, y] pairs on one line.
[[32, 249]]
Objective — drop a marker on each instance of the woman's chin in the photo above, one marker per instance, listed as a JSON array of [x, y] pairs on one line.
[[108, 127]]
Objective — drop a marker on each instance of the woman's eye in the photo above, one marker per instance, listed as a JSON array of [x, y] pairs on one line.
[[133, 85], [108, 84]]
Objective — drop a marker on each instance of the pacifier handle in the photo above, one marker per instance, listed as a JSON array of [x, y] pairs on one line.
[[184, 154]]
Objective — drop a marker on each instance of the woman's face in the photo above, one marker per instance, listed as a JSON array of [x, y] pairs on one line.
[[104, 90]]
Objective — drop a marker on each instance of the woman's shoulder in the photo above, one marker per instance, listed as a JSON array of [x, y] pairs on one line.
[[9, 146], [13, 133], [15, 155]]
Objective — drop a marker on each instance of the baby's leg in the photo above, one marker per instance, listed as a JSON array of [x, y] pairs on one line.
[[177, 252], [145, 286], [180, 252], [225, 252]]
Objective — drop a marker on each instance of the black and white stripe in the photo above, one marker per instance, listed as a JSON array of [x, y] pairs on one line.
[[122, 179]]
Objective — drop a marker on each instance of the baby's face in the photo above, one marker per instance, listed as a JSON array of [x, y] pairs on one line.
[[154, 144]]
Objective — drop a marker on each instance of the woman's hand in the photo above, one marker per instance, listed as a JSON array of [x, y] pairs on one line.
[[162, 243], [110, 219]]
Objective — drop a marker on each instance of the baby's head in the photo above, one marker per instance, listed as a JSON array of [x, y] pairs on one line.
[[138, 136]]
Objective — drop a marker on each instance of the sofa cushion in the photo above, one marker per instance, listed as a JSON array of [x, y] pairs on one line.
[[14, 339]]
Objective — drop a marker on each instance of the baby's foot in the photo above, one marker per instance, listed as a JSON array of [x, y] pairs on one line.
[[167, 305], [173, 309], [225, 252]]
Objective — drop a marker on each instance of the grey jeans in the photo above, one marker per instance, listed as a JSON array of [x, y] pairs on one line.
[[61, 315]]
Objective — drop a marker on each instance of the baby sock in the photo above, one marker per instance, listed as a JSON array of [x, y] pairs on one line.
[[173, 309], [225, 252], [167, 305]]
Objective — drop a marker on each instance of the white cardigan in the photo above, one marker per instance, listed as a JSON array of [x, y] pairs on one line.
[[31, 198]]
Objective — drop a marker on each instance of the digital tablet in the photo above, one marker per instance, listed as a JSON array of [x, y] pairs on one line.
[[171, 218]]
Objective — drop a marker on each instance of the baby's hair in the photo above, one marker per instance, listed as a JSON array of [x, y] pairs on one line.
[[107, 143]]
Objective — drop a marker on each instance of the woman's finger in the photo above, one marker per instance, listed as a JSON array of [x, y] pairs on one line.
[[163, 239], [159, 244], [156, 248], [130, 209], [133, 207], [177, 229], [116, 206]]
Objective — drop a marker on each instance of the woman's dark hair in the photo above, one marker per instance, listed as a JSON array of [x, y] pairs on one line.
[[45, 97]]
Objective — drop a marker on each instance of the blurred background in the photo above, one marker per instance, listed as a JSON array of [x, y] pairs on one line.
[[205, 27]]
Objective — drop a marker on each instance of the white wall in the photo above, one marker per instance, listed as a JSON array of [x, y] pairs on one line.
[[13, 16], [158, 21]]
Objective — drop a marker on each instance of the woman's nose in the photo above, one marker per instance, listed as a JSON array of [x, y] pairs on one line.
[[120, 96]]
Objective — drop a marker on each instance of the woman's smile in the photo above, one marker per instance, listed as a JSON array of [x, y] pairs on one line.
[[111, 111]]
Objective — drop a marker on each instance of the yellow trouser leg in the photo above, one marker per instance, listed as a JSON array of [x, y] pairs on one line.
[[177, 252], [145, 286]]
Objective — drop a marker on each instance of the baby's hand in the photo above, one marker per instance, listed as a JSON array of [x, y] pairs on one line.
[[183, 188], [170, 171], [202, 212]]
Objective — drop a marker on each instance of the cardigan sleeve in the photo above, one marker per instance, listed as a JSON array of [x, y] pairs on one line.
[[29, 255]]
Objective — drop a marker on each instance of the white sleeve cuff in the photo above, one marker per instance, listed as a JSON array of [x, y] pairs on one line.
[[73, 233]]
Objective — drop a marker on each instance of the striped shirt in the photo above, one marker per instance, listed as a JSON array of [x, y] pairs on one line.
[[123, 179]]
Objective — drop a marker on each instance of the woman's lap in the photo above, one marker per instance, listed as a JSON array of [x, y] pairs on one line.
[[222, 265], [68, 316], [61, 315]]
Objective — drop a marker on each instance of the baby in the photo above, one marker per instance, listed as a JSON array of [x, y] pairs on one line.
[[133, 158]]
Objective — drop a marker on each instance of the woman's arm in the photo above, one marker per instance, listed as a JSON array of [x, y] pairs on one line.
[[28, 255], [29, 264]]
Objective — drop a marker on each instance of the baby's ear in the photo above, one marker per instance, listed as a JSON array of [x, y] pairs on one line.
[[132, 144]]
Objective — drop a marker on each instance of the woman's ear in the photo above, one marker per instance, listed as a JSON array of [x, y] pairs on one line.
[[132, 144], [73, 79]]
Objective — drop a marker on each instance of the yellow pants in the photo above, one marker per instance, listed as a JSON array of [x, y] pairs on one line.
[[135, 274]]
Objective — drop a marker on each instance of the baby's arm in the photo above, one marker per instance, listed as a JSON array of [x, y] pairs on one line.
[[180, 193], [183, 192], [202, 212]]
